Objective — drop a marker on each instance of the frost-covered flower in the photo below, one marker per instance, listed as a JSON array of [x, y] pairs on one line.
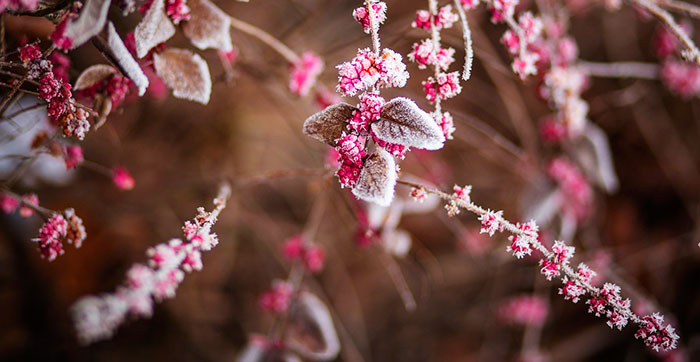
[[50, 237], [72, 156], [362, 16], [304, 73], [491, 222], [446, 123], [29, 53], [657, 335], [447, 86], [424, 53], [524, 64]]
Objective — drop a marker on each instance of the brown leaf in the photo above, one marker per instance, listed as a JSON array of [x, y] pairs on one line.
[[185, 72], [92, 75], [328, 124], [311, 331], [404, 123], [122, 57], [208, 27], [377, 179], [154, 28], [89, 23]]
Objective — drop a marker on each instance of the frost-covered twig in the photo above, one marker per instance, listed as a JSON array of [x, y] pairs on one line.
[[97, 317], [467, 35], [605, 300]]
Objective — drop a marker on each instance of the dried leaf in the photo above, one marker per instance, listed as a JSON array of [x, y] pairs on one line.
[[377, 179], [185, 72], [124, 60], [208, 27], [403, 122], [328, 124], [311, 331], [92, 75], [154, 28], [89, 23]]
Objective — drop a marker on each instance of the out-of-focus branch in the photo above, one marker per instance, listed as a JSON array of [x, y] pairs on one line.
[[620, 70], [266, 38], [689, 9]]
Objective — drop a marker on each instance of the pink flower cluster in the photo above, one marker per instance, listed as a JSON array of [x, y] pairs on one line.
[[304, 73], [362, 16], [177, 10], [10, 204], [61, 109], [59, 37], [367, 70], [491, 222], [57, 229], [446, 86], [278, 298], [501, 10], [18, 5], [524, 310], [561, 254], [446, 123], [116, 87], [97, 317], [351, 148], [657, 335], [525, 51], [29, 53], [426, 53], [297, 248], [577, 192], [444, 19], [521, 243], [682, 78]]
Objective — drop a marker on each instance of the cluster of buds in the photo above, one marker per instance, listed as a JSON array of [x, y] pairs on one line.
[[298, 248], [577, 195], [177, 10], [10, 204], [66, 227], [681, 77], [61, 106], [97, 317], [304, 73], [115, 86]]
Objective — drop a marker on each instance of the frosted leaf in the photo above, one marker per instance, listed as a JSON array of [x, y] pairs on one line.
[[328, 125], [403, 122], [154, 28], [208, 27], [311, 332], [592, 150], [124, 60], [92, 75], [185, 72], [89, 23], [377, 179]]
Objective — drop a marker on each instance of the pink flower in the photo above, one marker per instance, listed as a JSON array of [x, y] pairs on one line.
[[394, 149], [524, 310], [665, 42], [445, 18], [447, 86], [177, 10], [72, 156], [446, 123], [366, 71], [61, 64], [351, 148], [502, 9], [162, 255], [304, 73], [491, 222], [122, 178], [165, 285], [26, 211], [314, 257], [511, 41], [524, 64], [8, 203], [276, 300], [361, 15], [462, 193], [531, 26], [469, 4], [572, 290], [293, 248], [29, 53], [370, 108], [59, 37], [418, 194], [424, 54], [578, 193], [50, 236], [552, 131], [521, 243], [656, 335], [682, 78]]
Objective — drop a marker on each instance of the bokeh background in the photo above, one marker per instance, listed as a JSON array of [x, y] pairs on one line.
[[645, 235]]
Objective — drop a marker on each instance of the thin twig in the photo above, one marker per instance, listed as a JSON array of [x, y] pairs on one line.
[[266, 38], [468, 47]]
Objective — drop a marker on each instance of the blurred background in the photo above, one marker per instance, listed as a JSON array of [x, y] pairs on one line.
[[644, 236]]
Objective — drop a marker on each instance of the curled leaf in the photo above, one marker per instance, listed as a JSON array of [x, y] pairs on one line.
[[208, 27], [154, 28], [185, 72], [403, 122], [92, 75], [124, 60], [311, 330], [89, 23], [377, 179], [328, 125], [592, 151]]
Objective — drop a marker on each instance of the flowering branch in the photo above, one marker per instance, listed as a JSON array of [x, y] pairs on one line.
[[97, 317], [603, 301]]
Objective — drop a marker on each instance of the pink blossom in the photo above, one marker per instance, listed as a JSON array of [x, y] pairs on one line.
[[177, 10], [502, 9], [666, 43], [276, 300], [293, 248], [418, 194], [424, 54], [366, 71], [656, 334], [314, 257], [166, 284], [351, 148], [72, 156], [524, 310], [122, 178], [521, 243], [447, 86], [445, 18], [524, 64], [8, 203], [469, 4], [491, 222], [567, 51], [29, 199], [304, 73], [682, 78], [162, 255], [462, 193], [29, 53], [50, 236], [552, 131], [59, 37], [578, 193], [511, 41], [370, 108], [446, 123], [361, 15], [531, 26], [394, 149], [572, 290]]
